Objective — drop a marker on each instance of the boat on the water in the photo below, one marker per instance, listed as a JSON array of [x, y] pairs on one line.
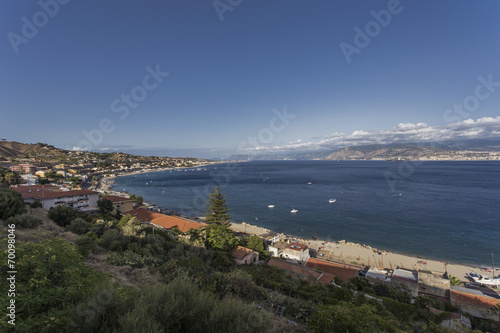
[[294, 211], [484, 280], [270, 206], [332, 200]]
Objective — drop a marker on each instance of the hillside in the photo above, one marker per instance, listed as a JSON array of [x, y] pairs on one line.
[[44, 153], [16, 150], [385, 152]]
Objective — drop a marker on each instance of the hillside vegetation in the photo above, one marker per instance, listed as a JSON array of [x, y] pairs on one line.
[[109, 274]]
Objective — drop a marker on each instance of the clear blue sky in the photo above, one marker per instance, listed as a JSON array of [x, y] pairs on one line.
[[226, 76]]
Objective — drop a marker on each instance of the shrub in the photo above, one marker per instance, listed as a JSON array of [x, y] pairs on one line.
[[62, 215], [87, 243], [79, 226], [11, 203], [24, 221], [51, 278], [180, 306], [113, 240]]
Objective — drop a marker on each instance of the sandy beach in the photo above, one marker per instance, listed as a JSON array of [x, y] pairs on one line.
[[365, 255]]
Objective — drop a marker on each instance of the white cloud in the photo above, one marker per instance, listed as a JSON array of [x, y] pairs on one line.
[[482, 128]]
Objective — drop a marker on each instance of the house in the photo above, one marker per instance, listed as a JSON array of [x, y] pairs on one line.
[[276, 248], [433, 284], [24, 168], [302, 271], [296, 251], [50, 196], [377, 275], [243, 255], [407, 278], [30, 179], [343, 271], [41, 173], [120, 203], [166, 222]]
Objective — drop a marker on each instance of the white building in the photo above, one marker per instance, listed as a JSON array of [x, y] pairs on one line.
[[50, 196], [296, 251]]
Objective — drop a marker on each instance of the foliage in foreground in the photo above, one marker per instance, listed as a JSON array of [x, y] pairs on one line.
[[24, 221], [11, 203]]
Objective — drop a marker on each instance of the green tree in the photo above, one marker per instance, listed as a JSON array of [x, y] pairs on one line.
[[139, 200], [220, 237], [9, 178], [104, 206], [217, 210], [11, 203], [62, 215]]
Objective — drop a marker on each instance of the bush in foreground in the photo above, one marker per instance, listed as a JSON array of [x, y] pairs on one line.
[[24, 221]]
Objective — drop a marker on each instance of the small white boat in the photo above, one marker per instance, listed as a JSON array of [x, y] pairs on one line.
[[294, 211], [332, 200], [270, 206], [484, 280], [309, 183]]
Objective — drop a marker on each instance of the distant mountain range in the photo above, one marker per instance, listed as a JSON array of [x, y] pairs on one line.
[[385, 151]]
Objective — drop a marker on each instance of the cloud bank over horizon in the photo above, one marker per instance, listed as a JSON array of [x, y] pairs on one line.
[[469, 129]]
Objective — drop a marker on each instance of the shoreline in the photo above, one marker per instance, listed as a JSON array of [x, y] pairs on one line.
[[341, 250], [365, 255]]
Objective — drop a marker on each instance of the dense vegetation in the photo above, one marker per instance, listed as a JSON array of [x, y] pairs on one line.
[[176, 284]]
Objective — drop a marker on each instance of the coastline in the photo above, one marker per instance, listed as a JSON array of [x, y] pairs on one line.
[[341, 251], [365, 255]]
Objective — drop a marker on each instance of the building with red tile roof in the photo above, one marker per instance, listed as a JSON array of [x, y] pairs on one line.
[[344, 271], [50, 196], [243, 255], [165, 221], [302, 271], [120, 203]]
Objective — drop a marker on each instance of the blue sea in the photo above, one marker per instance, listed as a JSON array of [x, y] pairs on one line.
[[441, 210]]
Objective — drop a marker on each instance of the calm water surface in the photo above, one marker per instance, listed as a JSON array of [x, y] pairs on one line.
[[443, 210]]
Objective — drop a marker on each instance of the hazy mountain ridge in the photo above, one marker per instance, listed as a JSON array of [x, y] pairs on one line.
[[384, 151]]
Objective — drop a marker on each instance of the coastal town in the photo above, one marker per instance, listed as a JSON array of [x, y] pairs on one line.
[[85, 179]]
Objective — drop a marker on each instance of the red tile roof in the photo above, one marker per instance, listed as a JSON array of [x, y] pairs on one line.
[[302, 271], [169, 222], [49, 192], [144, 215], [343, 271], [165, 221], [115, 199], [472, 299], [240, 252]]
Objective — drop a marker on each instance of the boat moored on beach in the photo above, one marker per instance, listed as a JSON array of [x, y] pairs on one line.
[[484, 280]]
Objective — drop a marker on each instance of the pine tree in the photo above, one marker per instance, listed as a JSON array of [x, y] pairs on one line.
[[217, 211]]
